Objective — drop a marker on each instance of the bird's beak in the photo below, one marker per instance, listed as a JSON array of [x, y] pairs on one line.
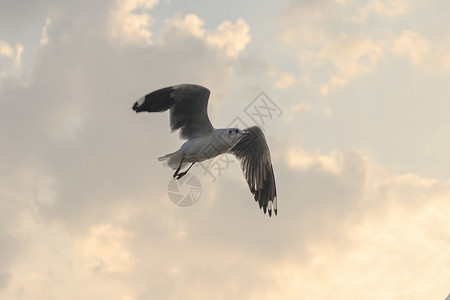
[[246, 133]]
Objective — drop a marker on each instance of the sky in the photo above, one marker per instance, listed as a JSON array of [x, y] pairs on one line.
[[354, 100]]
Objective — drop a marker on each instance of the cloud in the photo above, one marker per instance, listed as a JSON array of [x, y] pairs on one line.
[[129, 27], [345, 11], [351, 57], [428, 53], [105, 249], [67, 124], [299, 159], [190, 24], [62, 130], [21, 193], [334, 216], [411, 44], [295, 110], [406, 206], [398, 242], [228, 37], [6, 50], [232, 38], [285, 80], [44, 37], [302, 106], [336, 42], [14, 54], [84, 201], [387, 8], [333, 40], [339, 213]]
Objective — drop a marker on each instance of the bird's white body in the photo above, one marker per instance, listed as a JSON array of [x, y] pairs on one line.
[[205, 147]]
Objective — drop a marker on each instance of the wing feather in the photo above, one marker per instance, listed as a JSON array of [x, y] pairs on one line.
[[188, 105], [253, 152]]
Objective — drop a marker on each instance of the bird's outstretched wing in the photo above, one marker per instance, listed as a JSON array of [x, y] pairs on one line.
[[188, 105], [254, 155]]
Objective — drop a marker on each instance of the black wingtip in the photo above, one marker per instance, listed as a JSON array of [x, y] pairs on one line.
[[270, 212], [135, 107]]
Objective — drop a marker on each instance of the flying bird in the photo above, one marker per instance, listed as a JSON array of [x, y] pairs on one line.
[[188, 105]]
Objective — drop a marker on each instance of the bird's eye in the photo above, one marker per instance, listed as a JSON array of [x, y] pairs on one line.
[[230, 131]]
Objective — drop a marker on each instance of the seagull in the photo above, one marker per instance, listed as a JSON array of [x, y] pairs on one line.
[[187, 104]]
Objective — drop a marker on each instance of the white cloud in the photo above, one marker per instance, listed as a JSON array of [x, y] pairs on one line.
[[105, 249], [414, 46], [285, 80], [347, 11], [388, 8], [429, 53], [351, 57], [302, 160], [344, 55], [129, 27], [395, 251], [293, 111], [22, 192], [232, 38], [303, 106], [190, 24], [331, 39], [228, 37], [6, 50], [18, 58], [335, 43], [14, 54], [44, 36]]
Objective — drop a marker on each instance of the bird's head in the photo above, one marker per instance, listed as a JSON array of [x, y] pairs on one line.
[[233, 135]]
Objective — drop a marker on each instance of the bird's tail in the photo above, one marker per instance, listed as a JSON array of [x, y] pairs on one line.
[[172, 160]]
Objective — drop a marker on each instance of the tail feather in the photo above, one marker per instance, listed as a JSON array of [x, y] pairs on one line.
[[172, 160], [165, 157]]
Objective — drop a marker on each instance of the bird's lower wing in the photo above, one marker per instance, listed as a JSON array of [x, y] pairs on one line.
[[253, 152]]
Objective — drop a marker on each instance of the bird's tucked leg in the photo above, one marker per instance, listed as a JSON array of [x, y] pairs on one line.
[[179, 175], [178, 170]]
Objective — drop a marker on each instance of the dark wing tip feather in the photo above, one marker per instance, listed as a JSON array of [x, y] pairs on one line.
[[157, 101]]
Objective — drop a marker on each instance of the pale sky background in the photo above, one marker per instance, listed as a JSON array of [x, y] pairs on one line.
[[360, 152]]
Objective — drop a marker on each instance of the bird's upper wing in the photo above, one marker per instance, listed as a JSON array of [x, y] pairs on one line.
[[254, 155], [188, 108]]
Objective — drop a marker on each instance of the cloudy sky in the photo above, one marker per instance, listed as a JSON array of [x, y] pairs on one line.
[[360, 143]]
